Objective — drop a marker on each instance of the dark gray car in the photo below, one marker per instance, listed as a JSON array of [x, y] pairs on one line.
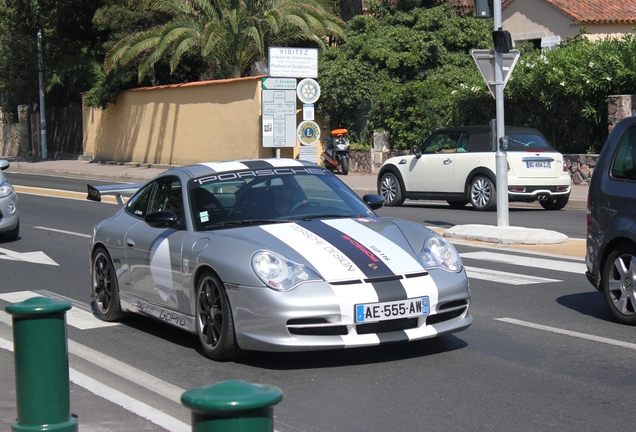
[[611, 222]]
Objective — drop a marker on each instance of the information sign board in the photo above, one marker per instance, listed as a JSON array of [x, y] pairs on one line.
[[278, 83], [279, 118], [293, 62]]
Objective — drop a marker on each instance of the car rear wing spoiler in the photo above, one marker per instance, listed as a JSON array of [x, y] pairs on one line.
[[95, 193]]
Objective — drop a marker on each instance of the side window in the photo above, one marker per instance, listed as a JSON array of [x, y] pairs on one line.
[[464, 144], [442, 143], [138, 204], [624, 164], [167, 196]]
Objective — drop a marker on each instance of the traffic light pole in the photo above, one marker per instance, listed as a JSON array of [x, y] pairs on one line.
[[500, 156]]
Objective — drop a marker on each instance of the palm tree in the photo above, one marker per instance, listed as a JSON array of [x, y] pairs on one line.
[[229, 35]]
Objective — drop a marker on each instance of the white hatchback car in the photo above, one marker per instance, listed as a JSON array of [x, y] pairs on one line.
[[9, 214], [458, 165]]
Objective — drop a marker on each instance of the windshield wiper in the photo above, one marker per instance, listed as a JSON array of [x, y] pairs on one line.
[[245, 222], [327, 216]]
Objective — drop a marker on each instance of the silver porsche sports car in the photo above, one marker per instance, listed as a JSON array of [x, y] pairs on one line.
[[272, 255]]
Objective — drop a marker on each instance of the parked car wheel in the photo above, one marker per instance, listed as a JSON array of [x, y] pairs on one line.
[[555, 203], [105, 287], [482, 193], [457, 204], [390, 190], [618, 284], [215, 326]]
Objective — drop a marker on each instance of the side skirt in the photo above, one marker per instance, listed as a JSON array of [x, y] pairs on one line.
[[176, 319]]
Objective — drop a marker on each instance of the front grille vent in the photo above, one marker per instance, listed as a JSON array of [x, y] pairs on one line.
[[315, 327]]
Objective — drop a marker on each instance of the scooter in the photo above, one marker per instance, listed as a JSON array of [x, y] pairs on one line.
[[335, 151]]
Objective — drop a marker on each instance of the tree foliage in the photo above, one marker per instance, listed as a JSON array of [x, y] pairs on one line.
[[229, 35], [396, 71], [410, 72], [68, 47]]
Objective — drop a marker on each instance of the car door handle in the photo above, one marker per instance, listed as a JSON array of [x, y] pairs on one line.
[[447, 161], [130, 243]]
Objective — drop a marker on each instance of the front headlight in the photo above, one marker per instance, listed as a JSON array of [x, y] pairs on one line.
[[279, 273], [5, 189], [439, 253]]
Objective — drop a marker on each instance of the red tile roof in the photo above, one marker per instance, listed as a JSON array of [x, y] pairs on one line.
[[594, 11]]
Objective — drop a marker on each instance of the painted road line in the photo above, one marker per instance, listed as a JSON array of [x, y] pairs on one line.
[[37, 257], [131, 404], [505, 277], [62, 231], [75, 317], [542, 263], [569, 333], [59, 193], [132, 374], [123, 400], [116, 367]]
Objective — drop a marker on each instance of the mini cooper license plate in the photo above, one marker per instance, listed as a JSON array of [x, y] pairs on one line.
[[373, 312], [537, 164]]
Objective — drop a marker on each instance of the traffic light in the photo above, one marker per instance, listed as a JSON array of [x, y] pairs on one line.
[[502, 40], [483, 8]]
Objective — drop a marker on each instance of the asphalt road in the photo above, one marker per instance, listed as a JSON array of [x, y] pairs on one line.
[[543, 353]]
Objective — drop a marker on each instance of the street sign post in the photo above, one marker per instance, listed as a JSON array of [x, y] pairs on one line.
[[485, 60]]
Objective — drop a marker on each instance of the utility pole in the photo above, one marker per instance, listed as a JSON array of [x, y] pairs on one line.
[[500, 156], [41, 86]]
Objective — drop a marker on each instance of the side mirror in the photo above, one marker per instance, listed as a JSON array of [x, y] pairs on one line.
[[417, 151], [373, 201], [162, 219], [4, 164]]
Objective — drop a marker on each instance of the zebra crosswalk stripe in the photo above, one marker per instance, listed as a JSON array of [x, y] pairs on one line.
[[505, 277], [525, 261], [75, 317]]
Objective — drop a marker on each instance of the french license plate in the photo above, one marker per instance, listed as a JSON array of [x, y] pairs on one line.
[[537, 164], [373, 312]]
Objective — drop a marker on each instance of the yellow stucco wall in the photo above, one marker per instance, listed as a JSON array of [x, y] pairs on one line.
[[180, 124], [532, 16]]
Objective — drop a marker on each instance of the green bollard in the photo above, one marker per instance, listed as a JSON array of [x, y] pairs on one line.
[[41, 365], [232, 406]]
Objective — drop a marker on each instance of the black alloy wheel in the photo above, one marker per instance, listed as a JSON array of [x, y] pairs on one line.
[[215, 326], [105, 287]]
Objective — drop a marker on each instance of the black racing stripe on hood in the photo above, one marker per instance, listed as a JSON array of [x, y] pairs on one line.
[[257, 164], [368, 262], [389, 291]]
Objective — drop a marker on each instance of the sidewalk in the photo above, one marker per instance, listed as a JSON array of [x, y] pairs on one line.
[[361, 183]]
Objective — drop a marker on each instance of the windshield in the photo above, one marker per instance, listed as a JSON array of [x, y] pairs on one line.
[[526, 141], [242, 198]]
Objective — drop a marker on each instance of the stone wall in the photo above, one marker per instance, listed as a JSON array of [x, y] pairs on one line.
[[581, 166], [620, 107]]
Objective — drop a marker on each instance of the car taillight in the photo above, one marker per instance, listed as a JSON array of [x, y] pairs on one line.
[[565, 166]]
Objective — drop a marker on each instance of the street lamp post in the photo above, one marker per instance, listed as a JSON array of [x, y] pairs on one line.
[[41, 90], [500, 156]]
